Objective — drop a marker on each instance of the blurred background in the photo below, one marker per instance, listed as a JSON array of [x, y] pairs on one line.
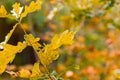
[[95, 53]]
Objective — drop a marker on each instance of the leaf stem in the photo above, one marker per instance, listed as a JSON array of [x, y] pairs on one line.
[[21, 26]]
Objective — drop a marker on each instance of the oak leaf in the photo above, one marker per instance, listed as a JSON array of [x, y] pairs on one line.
[[31, 41], [34, 6], [36, 73], [8, 54], [50, 52]]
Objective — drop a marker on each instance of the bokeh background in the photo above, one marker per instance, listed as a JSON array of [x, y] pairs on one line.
[[95, 53]]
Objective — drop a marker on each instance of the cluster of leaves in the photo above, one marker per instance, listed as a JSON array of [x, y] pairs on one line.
[[96, 49], [46, 55], [95, 53]]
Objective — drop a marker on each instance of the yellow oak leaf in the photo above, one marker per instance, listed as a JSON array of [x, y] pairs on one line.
[[66, 38], [17, 10], [31, 41], [24, 73], [47, 55], [8, 54], [36, 73], [51, 51], [3, 12], [56, 42], [34, 6]]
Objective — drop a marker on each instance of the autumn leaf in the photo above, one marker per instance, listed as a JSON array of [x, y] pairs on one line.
[[17, 10], [34, 6], [51, 51], [8, 54], [47, 55], [65, 38], [4, 14], [36, 73], [24, 73], [16, 13], [31, 41]]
